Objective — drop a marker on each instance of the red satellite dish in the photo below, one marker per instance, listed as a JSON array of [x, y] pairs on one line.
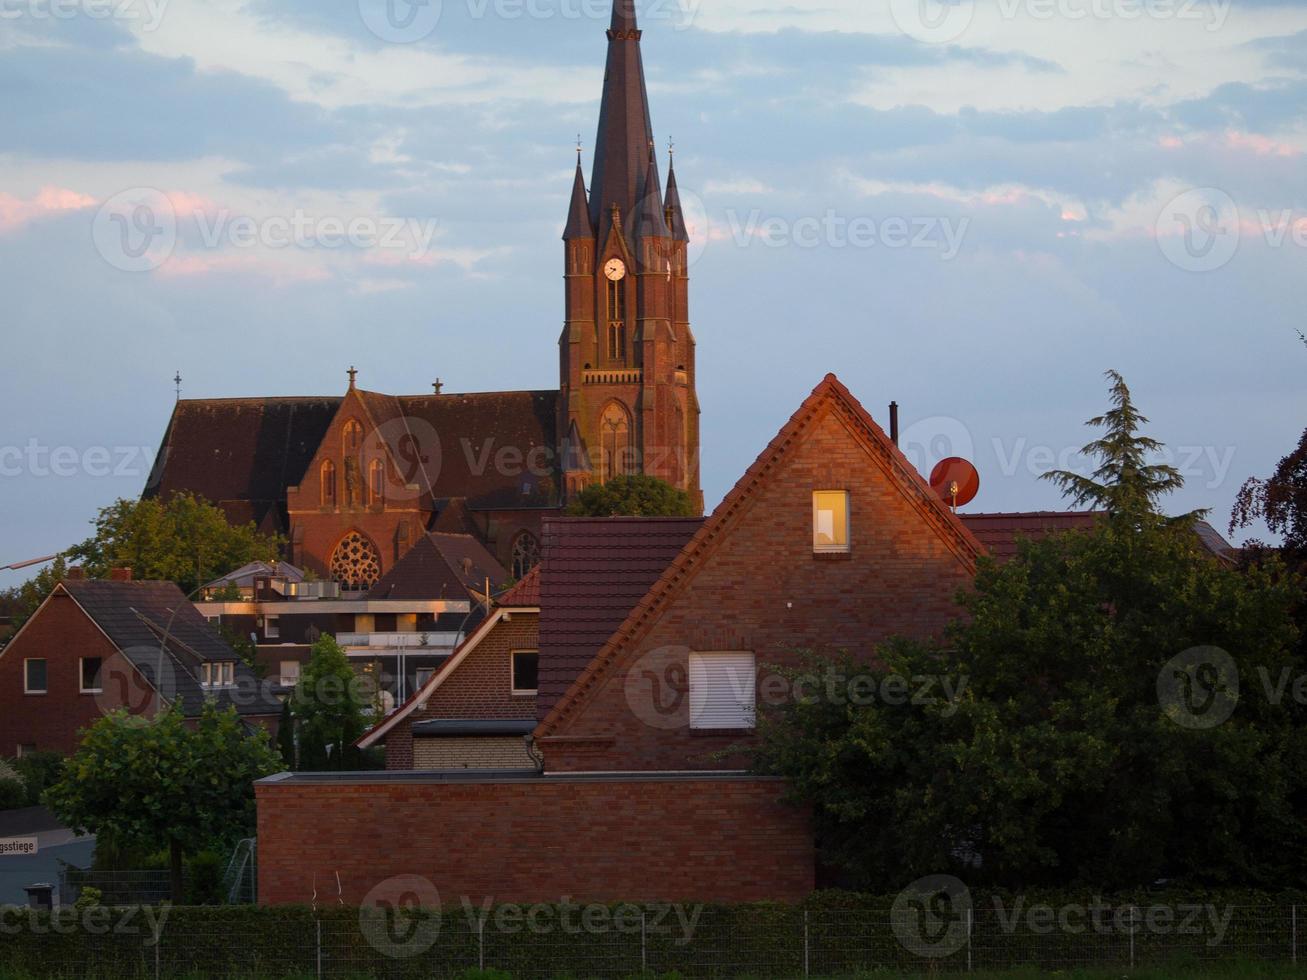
[[956, 481]]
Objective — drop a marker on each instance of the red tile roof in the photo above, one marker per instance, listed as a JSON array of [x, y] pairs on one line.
[[595, 570], [526, 594], [999, 533]]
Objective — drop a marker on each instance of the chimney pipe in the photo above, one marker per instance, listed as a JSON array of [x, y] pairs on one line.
[[894, 422], [120, 575], [77, 573]]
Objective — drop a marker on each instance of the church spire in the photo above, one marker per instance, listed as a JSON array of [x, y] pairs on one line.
[[675, 213], [652, 221], [578, 215], [621, 163]]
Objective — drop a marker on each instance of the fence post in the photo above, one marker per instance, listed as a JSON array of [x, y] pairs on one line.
[[1133, 910], [1293, 933], [807, 946], [481, 944], [970, 927], [319, 933], [158, 938], [644, 945]]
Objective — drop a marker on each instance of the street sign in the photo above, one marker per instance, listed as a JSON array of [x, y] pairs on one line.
[[17, 846]]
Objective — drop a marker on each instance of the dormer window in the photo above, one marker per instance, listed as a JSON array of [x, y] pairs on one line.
[[218, 673]]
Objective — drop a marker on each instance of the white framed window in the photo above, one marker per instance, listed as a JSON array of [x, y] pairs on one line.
[[424, 674], [36, 676], [830, 522], [228, 673], [290, 673], [272, 627], [90, 674], [723, 691], [26, 748], [206, 675], [526, 671], [221, 673]]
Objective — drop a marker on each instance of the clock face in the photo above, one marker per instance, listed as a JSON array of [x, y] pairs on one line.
[[615, 270]]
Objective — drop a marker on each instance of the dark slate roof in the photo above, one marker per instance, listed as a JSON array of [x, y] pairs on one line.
[[447, 727], [621, 159], [578, 214], [652, 221], [155, 627], [241, 453], [453, 445], [594, 572], [526, 594], [441, 566], [674, 208]]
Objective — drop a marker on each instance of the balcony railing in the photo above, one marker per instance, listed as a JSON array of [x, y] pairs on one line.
[[437, 642]]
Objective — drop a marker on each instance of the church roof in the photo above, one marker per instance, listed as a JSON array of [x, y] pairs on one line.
[[652, 222], [497, 449], [241, 453], [578, 215], [441, 566], [674, 208]]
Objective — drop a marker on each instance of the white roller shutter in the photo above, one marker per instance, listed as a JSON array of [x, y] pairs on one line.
[[723, 690]]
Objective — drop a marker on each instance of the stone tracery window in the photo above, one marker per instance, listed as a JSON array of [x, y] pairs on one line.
[[526, 554], [356, 563], [352, 436], [328, 484], [615, 441]]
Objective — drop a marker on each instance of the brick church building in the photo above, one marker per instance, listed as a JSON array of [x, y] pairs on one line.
[[354, 481]]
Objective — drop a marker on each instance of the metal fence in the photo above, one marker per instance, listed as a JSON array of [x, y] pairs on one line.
[[756, 942]]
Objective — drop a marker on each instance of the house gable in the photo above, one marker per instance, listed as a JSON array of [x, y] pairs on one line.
[[749, 581]]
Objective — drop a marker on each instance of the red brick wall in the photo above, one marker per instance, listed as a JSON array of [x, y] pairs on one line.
[[537, 840], [479, 688], [61, 634], [763, 590]]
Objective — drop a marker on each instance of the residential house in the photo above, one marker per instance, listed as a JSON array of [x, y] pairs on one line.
[[97, 646]]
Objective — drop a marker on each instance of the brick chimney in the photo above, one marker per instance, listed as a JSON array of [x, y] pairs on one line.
[[120, 575], [77, 573]]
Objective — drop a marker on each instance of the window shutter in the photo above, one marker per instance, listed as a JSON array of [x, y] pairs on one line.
[[723, 690]]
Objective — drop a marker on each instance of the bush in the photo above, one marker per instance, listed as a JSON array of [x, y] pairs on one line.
[[39, 771], [204, 879], [13, 794]]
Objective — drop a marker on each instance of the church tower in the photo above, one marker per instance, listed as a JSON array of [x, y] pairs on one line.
[[628, 400]]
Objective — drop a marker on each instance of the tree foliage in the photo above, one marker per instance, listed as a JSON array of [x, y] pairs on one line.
[[1280, 501], [633, 496], [1076, 753], [22, 600], [186, 540], [164, 782], [330, 705]]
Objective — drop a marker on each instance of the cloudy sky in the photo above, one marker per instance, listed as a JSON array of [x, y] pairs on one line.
[[974, 209]]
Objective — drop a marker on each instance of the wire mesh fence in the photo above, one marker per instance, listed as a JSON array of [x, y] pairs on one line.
[[632, 941]]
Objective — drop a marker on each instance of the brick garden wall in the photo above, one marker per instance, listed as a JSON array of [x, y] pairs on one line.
[[536, 839]]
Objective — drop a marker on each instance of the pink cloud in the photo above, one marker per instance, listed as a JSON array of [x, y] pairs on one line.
[[1263, 146], [15, 212], [189, 266]]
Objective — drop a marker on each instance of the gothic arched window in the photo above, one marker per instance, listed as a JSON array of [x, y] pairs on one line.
[[615, 441], [356, 563], [617, 321], [328, 481], [376, 483], [526, 554], [352, 437]]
